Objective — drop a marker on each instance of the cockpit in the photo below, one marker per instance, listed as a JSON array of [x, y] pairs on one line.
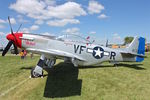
[[73, 38]]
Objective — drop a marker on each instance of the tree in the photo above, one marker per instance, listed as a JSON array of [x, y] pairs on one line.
[[128, 40]]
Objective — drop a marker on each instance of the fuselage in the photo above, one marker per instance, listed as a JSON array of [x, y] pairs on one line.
[[83, 53], [92, 53]]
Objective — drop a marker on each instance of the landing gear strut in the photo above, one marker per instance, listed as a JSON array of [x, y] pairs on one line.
[[38, 70], [50, 63]]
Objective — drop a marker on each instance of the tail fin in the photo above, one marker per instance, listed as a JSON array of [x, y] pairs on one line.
[[137, 46]]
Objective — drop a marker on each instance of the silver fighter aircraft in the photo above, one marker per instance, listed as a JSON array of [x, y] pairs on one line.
[[72, 48]]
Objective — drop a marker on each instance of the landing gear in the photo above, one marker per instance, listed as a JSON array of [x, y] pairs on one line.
[[43, 63], [38, 70], [50, 63], [34, 74], [75, 62]]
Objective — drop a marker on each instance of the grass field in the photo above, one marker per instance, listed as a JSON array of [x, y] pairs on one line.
[[128, 81]]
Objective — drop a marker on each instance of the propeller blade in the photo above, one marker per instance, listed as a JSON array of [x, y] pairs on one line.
[[7, 48], [19, 28], [16, 49], [10, 25]]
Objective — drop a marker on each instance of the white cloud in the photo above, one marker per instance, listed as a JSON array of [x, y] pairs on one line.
[[47, 33], [2, 33], [28, 7], [50, 2], [2, 26], [21, 19], [30, 29], [95, 7], [12, 20], [39, 9], [34, 27], [92, 32], [72, 30], [102, 16], [2, 21], [3, 39], [117, 38], [26, 30], [66, 11], [63, 22], [39, 22]]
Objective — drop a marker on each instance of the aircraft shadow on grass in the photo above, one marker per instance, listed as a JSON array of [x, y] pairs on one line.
[[133, 66], [62, 81]]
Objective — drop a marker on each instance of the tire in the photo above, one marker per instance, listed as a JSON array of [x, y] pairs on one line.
[[34, 74]]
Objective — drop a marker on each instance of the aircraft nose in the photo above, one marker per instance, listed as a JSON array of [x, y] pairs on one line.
[[15, 38], [10, 37]]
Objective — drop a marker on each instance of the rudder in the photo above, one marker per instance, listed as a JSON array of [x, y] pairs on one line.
[[141, 49]]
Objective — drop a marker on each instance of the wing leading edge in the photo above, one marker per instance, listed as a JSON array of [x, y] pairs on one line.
[[55, 53]]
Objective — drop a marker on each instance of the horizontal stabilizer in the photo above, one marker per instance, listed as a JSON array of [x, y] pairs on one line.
[[134, 54]]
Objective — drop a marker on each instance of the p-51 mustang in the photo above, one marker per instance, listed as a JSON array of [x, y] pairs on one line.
[[72, 48]]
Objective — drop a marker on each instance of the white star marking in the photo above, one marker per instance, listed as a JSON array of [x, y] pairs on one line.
[[98, 52]]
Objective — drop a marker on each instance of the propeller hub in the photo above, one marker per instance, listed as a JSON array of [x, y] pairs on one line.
[[15, 38], [10, 37]]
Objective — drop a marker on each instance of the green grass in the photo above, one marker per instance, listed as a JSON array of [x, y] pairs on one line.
[[128, 81]]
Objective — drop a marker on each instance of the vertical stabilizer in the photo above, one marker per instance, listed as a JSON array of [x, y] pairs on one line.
[[137, 46]]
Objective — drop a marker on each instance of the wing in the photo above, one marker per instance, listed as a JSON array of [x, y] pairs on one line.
[[53, 52]]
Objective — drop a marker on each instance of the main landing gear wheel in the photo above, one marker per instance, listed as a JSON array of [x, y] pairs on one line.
[[34, 74]]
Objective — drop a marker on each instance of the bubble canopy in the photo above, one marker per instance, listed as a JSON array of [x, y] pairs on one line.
[[73, 38]]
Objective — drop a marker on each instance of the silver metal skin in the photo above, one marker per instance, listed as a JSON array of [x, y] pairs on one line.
[[80, 53]]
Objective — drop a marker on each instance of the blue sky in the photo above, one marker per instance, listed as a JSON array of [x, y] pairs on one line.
[[99, 19]]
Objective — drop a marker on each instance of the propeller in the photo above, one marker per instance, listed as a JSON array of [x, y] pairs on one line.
[[19, 28], [10, 25], [10, 43], [7, 48]]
